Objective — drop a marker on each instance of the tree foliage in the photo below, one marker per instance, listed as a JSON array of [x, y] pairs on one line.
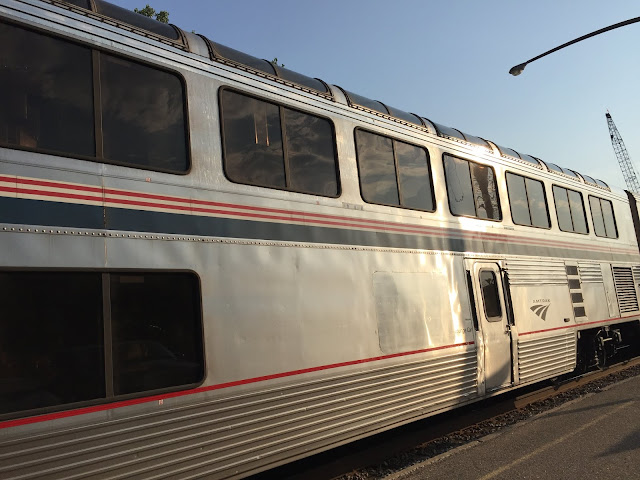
[[148, 11]]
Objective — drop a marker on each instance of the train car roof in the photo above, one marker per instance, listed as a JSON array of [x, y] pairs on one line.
[[174, 36]]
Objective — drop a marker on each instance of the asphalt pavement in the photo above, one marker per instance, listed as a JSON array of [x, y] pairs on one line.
[[594, 437]]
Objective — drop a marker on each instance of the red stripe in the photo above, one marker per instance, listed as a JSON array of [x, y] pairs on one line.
[[300, 217], [46, 193], [164, 396], [579, 325], [289, 215], [45, 183]]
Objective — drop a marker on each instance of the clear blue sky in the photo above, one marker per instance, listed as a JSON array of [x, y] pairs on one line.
[[449, 62]]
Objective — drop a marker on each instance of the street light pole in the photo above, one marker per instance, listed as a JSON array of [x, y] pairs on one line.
[[517, 70]]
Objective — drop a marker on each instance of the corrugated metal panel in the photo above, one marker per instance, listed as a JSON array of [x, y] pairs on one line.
[[523, 272], [625, 289], [234, 436], [546, 357], [590, 272]]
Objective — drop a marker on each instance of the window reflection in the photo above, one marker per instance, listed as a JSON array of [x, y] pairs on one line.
[[472, 189], [253, 141], [537, 203], [577, 212], [378, 180], [414, 176], [393, 172], [484, 189], [46, 93], [570, 210], [518, 199], [47, 104], [609, 219], [604, 222], [254, 153], [142, 115], [311, 154], [596, 216], [527, 201], [459, 186], [562, 209]]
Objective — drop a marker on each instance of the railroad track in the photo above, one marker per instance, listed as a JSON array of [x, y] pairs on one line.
[[385, 453]]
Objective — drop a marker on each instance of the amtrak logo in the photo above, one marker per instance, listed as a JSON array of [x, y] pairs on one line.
[[541, 310]]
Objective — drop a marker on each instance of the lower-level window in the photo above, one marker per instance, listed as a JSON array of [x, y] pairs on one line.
[[69, 337]]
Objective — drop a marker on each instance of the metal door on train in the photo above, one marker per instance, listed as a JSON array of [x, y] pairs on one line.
[[493, 323]]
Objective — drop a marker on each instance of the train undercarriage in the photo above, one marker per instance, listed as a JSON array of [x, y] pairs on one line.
[[601, 346]]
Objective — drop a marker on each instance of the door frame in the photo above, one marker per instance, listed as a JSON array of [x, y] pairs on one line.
[[486, 329]]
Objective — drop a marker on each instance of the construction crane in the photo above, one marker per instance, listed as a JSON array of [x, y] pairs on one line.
[[628, 172]]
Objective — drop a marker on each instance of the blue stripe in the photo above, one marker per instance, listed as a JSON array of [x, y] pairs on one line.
[[54, 214], [58, 214]]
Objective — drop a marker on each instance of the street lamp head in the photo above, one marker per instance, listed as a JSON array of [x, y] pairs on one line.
[[518, 69]]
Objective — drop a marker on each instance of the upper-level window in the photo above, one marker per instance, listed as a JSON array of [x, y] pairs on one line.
[[570, 210], [604, 221], [393, 172], [143, 121], [269, 145], [528, 201], [136, 117], [472, 189]]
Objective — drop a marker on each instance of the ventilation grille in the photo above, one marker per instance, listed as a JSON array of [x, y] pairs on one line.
[[536, 273], [625, 289], [546, 357], [590, 272]]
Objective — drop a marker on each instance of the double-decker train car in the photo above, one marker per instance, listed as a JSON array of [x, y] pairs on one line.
[[211, 265]]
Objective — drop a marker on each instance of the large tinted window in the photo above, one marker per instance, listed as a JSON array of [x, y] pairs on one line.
[[272, 146], [51, 339], [310, 153], [472, 189], [142, 115], [414, 177], [393, 172], [378, 179], [570, 210], [604, 222], [48, 103], [46, 93], [527, 201], [156, 331], [53, 351], [253, 150]]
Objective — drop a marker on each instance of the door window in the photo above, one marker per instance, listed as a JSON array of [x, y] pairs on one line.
[[490, 295]]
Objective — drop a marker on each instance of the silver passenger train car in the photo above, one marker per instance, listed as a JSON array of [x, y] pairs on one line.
[[211, 265]]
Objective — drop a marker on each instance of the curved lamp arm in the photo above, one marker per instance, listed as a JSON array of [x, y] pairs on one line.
[[517, 70]]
